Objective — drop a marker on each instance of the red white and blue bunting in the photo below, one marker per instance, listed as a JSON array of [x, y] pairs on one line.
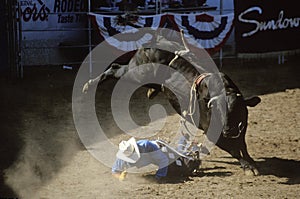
[[201, 30], [205, 31], [126, 25]]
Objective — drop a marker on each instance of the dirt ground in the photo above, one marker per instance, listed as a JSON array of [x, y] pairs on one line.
[[41, 155]]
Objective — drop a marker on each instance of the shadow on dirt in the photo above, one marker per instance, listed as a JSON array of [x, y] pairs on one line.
[[174, 178], [167, 180], [215, 174], [282, 168], [214, 171], [221, 161]]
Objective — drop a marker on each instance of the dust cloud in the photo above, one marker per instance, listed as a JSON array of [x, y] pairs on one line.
[[44, 124]]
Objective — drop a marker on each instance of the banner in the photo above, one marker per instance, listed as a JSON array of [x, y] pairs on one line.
[[205, 31], [47, 19], [201, 30], [127, 25], [266, 26], [53, 31]]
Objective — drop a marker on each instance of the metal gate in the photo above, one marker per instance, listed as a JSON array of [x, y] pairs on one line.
[[11, 46], [51, 32]]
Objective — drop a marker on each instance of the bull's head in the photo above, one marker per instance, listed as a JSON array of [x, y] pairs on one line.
[[224, 95], [237, 114]]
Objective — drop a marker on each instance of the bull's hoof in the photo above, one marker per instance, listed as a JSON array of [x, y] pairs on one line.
[[256, 172], [85, 88], [151, 93], [251, 172]]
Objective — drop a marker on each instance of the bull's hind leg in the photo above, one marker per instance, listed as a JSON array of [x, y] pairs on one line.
[[114, 71]]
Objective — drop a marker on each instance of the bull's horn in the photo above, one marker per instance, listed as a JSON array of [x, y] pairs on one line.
[[211, 100]]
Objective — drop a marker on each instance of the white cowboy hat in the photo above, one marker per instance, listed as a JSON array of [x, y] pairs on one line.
[[129, 151]]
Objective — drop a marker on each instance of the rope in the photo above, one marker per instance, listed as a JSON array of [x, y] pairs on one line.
[[192, 103], [191, 111], [180, 52]]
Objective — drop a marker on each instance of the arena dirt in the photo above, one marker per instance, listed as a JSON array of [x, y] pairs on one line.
[[42, 156]]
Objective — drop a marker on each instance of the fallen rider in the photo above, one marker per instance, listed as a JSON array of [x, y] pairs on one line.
[[141, 153]]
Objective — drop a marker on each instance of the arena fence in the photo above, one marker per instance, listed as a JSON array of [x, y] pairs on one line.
[[44, 32]]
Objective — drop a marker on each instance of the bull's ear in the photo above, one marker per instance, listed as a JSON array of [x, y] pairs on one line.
[[252, 101]]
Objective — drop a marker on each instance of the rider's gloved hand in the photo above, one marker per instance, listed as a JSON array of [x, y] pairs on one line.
[[121, 176]]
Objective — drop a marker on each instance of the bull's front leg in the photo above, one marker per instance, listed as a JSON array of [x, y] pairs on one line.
[[249, 164], [246, 162], [237, 148], [153, 90]]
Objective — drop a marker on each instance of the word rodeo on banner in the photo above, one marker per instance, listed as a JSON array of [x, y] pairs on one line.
[[65, 8], [201, 30], [266, 26]]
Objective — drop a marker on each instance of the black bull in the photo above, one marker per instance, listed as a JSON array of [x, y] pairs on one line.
[[210, 90]]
